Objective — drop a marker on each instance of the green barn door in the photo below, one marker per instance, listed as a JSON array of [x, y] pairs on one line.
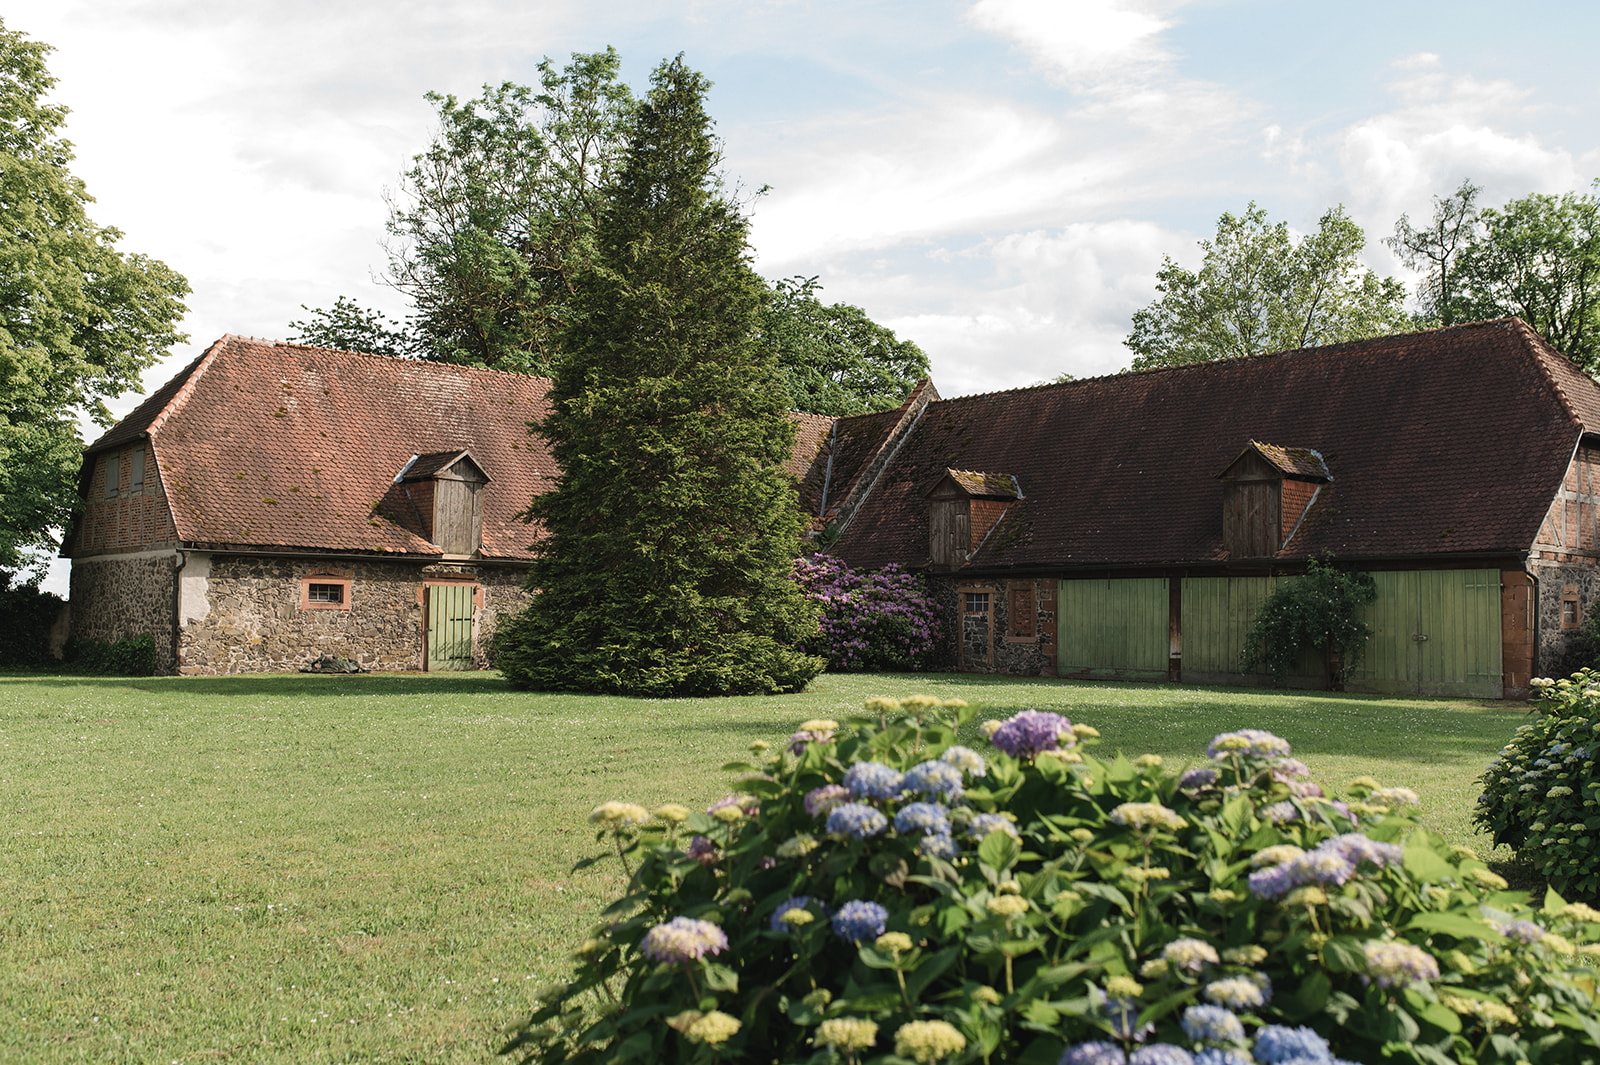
[[449, 626], [1434, 632], [1117, 629]]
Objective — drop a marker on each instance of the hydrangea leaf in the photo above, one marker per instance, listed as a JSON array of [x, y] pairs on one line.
[[1425, 863], [1459, 925], [1343, 954], [1432, 1011], [998, 851]]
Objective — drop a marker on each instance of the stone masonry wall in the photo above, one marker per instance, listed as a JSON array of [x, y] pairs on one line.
[[117, 597], [1562, 651], [248, 616]]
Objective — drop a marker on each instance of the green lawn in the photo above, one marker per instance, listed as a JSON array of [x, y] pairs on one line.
[[375, 868]]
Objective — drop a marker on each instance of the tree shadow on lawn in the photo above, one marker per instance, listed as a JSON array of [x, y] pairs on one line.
[[329, 685]]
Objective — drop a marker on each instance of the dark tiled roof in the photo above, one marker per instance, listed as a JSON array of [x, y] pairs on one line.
[[263, 444], [1449, 442], [1305, 463], [985, 485]]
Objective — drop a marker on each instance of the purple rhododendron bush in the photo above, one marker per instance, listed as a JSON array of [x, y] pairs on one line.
[[869, 620], [885, 893]]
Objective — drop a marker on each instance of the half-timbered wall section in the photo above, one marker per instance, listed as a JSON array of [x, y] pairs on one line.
[[124, 505], [1563, 560]]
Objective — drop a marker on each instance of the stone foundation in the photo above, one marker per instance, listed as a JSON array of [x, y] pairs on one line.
[[117, 596]]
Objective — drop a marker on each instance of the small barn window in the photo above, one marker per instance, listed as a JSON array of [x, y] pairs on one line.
[[136, 470], [325, 591], [1570, 616], [977, 602], [113, 464]]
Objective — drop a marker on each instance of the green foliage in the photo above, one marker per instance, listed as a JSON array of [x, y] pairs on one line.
[[670, 537], [834, 359], [26, 616], [1260, 291], [1434, 251], [1538, 258], [1541, 794], [1320, 611], [131, 656], [79, 320], [348, 326], [495, 219], [881, 886]]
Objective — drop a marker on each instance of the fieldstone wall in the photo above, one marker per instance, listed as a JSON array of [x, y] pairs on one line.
[[116, 597], [251, 619], [1025, 656], [1561, 652]]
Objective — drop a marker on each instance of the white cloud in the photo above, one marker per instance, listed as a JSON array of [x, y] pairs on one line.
[[1084, 43]]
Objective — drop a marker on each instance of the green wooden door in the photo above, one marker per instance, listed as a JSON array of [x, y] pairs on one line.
[[1217, 612], [1113, 628], [449, 626], [1434, 632]]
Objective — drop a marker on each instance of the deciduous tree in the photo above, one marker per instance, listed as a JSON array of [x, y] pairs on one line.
[[1435, 249], [79, 320], [1259, 290], [670, 537], [493, 221], [834, 359], [348, 326], [1538, 258]]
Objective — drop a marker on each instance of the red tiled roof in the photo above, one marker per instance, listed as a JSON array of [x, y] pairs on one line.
[[1304, 463], [1449, 442], [264, 444], [985, 485]]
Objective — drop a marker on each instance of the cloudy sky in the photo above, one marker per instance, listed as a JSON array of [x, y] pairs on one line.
[[997, 180]]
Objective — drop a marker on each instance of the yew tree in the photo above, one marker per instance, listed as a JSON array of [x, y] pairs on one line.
[[664, 568]]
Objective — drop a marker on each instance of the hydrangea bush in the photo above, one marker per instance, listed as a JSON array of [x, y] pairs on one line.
[[901, 891], [870, 620], [1541, 794]]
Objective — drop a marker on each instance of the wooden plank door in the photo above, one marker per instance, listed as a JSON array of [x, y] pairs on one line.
[[449, 626]]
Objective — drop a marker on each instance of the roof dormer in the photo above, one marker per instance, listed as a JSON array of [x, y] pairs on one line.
[[446, 487], [966, 505], [1266, 491]]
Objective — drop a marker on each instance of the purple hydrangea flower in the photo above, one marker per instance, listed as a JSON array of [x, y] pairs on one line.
[[799, 741], [703, 850], [857, 820], [683, 939], [1522, 931], [858, 920], [873, 780], [1334, 861], [1098, 1052], [1161, 1054], [1281, 813], [820, 800], [929, 818], [934, 778], [1278, 1045], [1196, 779], [1028, 732], [1251, 742], [1212, 1024]]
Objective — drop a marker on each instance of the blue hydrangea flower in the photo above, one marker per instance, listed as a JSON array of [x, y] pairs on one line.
[[965, 759], [858, 920], [798, 902], [1222, 1056], [1212, 1024], [1278, 1045], [873, 780], [1202, 777], [939, 845], [857, 820], [1161, 1054], [983, 824], [1251, 741], [929, 818], [934, 778], [1098, 1052]]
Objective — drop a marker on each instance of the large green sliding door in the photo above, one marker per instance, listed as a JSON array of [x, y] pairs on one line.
[[1113, 628], [450, 626], [1434, 632]]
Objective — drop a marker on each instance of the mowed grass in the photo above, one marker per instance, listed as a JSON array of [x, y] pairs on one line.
[[376, 868]]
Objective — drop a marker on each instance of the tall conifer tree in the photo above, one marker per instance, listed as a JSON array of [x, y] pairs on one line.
[[669, 540]]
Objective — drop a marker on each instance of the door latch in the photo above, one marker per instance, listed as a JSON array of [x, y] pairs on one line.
[[1419, 637]]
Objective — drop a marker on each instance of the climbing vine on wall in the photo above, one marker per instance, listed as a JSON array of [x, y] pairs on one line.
[[1318, 611]]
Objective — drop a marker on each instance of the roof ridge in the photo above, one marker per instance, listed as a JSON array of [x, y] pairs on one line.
[[1539, 351], [399, 359]]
